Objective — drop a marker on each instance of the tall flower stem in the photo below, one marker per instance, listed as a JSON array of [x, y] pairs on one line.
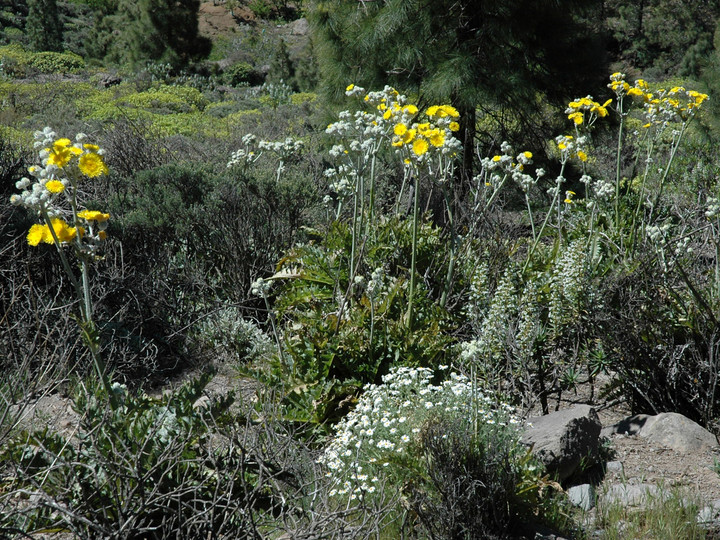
[[617, 161], [82, 291], [453, 249], [411, 293]]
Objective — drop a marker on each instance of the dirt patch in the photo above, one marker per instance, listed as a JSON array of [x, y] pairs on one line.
[[215, 19]]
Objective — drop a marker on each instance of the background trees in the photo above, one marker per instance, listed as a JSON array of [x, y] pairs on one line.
[[44, 28], [486, 56], [161, 30]]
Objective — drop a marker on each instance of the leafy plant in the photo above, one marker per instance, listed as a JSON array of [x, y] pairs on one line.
[[143, 468], [339, 334]]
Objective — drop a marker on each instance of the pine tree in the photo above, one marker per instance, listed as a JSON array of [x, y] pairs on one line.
[[162, 30], [493, 56], [43, 25]]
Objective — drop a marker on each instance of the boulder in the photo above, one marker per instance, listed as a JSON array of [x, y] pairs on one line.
[[563, 439], [671, 430], [582, 496], [625, 495]]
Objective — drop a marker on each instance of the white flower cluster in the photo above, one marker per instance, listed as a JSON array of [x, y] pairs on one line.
[[34, 194], [567, 285], [246, 155], [713, 208], [252, 149], [284, 149], [261, 287], [513, 166], [389, 417], [657, 233]]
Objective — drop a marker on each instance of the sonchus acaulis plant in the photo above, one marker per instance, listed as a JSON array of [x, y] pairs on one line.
[[52, 193]]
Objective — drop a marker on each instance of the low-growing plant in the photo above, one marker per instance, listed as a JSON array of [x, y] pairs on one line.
[[669, 514], [452, 451], [143, 468], [242, 74]]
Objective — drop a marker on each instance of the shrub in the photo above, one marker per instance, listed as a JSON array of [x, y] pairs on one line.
[[56, 62], [18, 62], [242, 74], [142, 467], [453, 453]]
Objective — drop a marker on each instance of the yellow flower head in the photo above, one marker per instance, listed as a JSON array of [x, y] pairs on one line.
[[400, 129], [432, 111], [59, 156], [35, 234], [577, 117], [454, 126], [349, 88], [411, 109], [61, 143], [582, 156], [437, 138], [91, 165], [448, 110], [420, 147], [93, 215], [55, 186], [408, 136], [41, 233]]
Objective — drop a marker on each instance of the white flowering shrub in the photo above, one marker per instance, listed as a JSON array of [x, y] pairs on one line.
[[374, 441]]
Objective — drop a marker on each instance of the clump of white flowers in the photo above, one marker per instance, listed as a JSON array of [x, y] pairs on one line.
[[388, 420]]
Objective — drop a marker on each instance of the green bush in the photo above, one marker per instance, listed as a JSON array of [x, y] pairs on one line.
[[242, 74], [55, 62], [19, 62], [453, 453], [141, 467], [338, 335]]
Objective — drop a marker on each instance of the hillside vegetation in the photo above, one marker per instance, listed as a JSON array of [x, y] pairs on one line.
[[395, 228]]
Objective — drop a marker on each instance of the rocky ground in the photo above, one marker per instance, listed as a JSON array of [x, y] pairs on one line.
[[639, 461]]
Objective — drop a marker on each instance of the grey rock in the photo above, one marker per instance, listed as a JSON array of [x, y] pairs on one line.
[[710, 513], [106, 80], [672, 430], [563, 439], [300, 27], [629, 495], [582, 496], [615, 467]]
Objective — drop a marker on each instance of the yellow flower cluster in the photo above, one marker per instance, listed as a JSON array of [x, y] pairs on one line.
[[63, 232], [570, 147], [90, 162], [423, 136], [399, 120], [52, 193], [578, 109], [674, 105]]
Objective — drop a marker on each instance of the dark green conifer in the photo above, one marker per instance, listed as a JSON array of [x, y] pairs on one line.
[[162, 30], [492, 56], [43, 26]]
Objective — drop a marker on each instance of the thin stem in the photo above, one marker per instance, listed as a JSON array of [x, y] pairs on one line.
[[617, 161], [411, 294], [547, 218], [453, 242]]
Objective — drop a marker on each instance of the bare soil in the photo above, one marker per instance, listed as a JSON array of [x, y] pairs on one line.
[[646, 462]]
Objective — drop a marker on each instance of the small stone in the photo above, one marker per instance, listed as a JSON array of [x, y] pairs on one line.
[[582, 496], [614, 467], [629, 495]]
